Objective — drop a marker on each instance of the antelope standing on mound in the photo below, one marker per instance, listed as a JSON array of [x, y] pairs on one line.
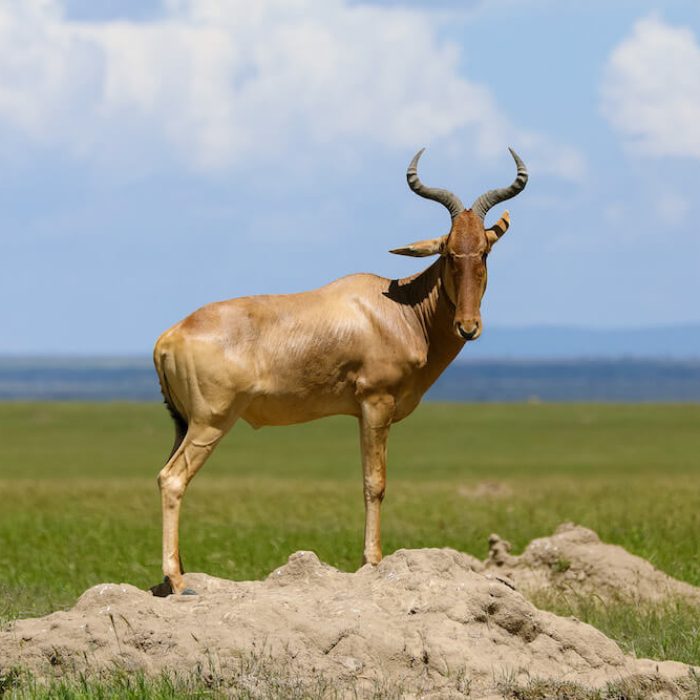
[[363, 346]]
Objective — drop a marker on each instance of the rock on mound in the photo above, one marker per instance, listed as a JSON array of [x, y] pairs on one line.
[[574, 559], [423, 620]]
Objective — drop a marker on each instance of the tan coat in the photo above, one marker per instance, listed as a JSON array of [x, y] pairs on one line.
[[362, 345]]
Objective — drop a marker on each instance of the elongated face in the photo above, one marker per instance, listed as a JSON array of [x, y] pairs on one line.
[[465, 251], [465, 254]]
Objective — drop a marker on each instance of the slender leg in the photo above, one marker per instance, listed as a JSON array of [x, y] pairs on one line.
[[186, 461], [375, 421]]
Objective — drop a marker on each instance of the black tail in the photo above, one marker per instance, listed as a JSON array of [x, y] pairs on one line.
[[179, 420], [180, 426]]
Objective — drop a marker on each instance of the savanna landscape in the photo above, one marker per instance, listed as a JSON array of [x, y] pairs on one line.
[[215, 185], [80, 507]]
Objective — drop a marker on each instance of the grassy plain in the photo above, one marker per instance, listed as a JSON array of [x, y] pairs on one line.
[[79, 502]]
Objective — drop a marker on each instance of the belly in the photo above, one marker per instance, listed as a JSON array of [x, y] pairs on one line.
[[290, 409]]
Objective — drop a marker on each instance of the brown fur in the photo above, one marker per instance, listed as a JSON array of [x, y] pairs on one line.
[[363, 345]]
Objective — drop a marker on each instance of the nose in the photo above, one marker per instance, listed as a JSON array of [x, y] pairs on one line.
[[469, 329]]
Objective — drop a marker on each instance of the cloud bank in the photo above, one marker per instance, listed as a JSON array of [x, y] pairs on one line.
[[218, 80], [651, 89]]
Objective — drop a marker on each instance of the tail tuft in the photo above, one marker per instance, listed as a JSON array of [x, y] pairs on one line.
[[180, 424], [180, 421]]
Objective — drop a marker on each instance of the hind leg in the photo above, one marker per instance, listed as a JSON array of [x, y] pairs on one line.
[[186, 461]]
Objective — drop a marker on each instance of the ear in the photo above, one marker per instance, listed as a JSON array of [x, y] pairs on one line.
[[421, 249], [499, 228]]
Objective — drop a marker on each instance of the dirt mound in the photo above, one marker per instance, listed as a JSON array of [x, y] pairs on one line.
[[423, 620], [575, 560]]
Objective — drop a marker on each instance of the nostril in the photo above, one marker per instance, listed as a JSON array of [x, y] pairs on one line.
[[469, 329], [467, 335]]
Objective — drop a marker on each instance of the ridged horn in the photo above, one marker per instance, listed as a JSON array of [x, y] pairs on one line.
[[483, 203], [447, 199]]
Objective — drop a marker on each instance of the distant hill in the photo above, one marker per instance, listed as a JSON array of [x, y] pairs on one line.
[[632, 379], [679, 342], [621, 380]]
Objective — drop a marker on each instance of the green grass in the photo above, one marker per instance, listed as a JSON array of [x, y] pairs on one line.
[[79, 503], [255, 681], [256, 678], [438, 442]]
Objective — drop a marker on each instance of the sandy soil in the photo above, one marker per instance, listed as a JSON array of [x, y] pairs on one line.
[[434, 622], [574, 560]]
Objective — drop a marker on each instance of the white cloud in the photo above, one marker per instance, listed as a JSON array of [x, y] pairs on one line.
[[217, 80], [672, 208], [651, 89]]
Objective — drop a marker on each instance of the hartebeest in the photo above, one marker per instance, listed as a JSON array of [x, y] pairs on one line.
[[363, 346]]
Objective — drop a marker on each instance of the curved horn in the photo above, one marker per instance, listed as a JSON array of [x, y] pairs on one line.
[[483, 203], [445, 198]]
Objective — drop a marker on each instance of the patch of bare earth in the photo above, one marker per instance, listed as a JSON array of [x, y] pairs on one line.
[[574, 560], [430, 622], [495, 490]]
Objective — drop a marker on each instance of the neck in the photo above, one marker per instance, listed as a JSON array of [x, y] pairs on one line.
[[426, 300]]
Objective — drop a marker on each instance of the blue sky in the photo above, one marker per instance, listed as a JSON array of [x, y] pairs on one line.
[[160, 155]]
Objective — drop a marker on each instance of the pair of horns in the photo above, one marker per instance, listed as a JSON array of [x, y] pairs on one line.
[[453, 204]]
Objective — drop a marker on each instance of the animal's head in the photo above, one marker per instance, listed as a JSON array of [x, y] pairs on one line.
[[466, 246]]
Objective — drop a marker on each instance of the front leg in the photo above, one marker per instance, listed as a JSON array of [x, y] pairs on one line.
[[375, 421]]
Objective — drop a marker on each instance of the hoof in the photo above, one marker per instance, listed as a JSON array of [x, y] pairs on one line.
[[372, 561], [162, 590]]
